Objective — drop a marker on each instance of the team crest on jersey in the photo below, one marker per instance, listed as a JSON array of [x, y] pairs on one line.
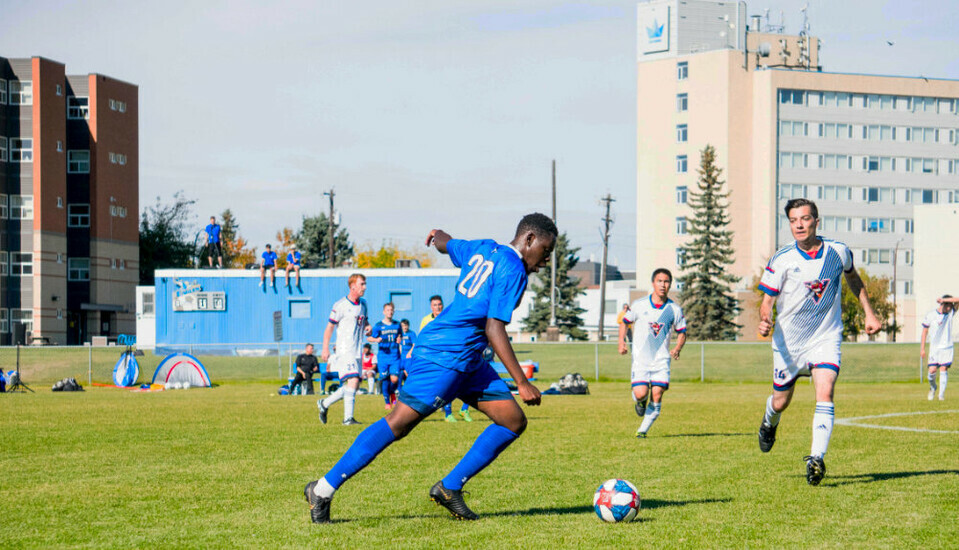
[[655, 328], [817, 288]]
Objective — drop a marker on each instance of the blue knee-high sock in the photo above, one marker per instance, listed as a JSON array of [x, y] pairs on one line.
[[364, 449], [465, 407], [485, 449], [448, 409], [385, 390], [393, 387]]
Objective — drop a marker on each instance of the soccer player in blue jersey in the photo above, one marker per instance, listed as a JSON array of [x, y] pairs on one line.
[[386, 334], [407, 341], [448, 363], [213, 243]]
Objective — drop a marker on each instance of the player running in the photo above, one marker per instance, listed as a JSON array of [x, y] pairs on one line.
[[803, 279], [654, 317], [350, 321], [407, 341], [937, 325], [447, 363], [386, 335]]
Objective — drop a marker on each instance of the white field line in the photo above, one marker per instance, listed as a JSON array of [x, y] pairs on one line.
[[855, 421]]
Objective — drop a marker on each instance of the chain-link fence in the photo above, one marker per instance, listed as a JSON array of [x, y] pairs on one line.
[[271, 362]]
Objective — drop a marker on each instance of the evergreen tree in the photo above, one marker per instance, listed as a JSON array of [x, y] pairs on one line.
[[708, 303], [568, 314], [236, 254], [165, 238], [313, 240]]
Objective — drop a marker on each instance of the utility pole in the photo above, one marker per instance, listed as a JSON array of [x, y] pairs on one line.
[[608, 199], [552, 331], [332, 252]]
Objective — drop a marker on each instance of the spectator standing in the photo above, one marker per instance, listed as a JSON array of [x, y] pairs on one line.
[[213, 246]]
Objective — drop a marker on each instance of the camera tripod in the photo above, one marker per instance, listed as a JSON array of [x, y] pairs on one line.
[[18, 384]]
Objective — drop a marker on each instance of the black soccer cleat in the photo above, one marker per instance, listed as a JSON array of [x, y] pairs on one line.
[[319, 405], [640, 407], [815, 469], [319, 506], [351, 421], [452, 501], [767, 437]]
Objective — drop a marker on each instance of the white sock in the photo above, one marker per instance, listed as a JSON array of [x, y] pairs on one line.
[[333, 397], [822, 427], [349, 399], [932, 380], [652, 413], [772, 417], [323, 489], [369, 385], [943, 379]]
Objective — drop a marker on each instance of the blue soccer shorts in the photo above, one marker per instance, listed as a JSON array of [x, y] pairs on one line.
[[431, 386], [388, 366]]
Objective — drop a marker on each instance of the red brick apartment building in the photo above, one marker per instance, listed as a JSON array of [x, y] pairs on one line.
[[69, 203]]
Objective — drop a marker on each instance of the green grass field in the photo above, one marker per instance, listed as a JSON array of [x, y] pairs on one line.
[[225, 467]]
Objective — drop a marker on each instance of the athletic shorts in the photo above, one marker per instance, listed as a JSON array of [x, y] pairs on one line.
[[940, 357], [789, 366], [431, 386], [405, 363], [346, 367], [388, 366], [651, 374], [214, 249]]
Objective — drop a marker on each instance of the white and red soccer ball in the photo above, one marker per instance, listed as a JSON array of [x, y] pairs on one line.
[[616, 500]]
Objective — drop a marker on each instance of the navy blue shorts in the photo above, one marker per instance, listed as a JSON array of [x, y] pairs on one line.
[[388, 366], [431, 386]]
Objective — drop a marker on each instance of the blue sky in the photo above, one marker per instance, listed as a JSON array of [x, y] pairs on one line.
[[420, 114]]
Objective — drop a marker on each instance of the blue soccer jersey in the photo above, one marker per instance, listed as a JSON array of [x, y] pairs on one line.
[[293, 258], [406, 343], [213, 230], [491, 284], [269, 258], [387, 348]]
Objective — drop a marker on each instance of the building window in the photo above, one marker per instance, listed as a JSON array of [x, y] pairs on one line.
[[792, 97], [59, 146], [681, 257], [907, 257], [681, 225], [402, 300], [148, 303], [299, 309], [78, 108], [3, 207], [682, 70], [21, 93], [792, 191], [4, 325], [22, 316], [21, 264], [59, 90], [928, 196], [681, 133], [21, 150], [3, 148], [682, 164], [681, 194], [78, 162], [682, 103], [118, 211], [78, 269], [878, 225], [4, 258], [78, 215], [21, 207], [3, 92]]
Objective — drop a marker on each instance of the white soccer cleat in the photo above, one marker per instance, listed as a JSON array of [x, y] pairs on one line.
[[932, 394], [942, 398]]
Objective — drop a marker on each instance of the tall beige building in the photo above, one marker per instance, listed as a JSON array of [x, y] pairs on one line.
[[866, 148]]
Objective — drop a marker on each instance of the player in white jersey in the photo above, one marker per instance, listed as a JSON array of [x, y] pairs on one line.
[[803, 280], [348, 318], [937, 326], [652, 319]]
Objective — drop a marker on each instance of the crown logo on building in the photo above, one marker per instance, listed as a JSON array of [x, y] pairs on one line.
[[655, 32]]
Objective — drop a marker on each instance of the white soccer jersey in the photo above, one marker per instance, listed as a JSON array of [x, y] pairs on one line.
[[350, 320], [651, 327], [940, 329], [808, 290]]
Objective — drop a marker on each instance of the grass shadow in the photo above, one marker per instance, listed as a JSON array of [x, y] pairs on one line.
[[709, 435], [884, 476]]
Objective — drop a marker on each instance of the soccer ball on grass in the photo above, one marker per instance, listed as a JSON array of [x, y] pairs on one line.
[[616, 500]]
